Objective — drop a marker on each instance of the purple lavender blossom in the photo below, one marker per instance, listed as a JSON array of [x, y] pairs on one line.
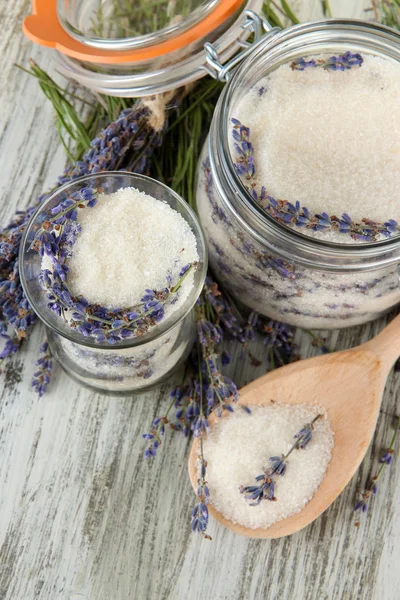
[[304, 436], [343, 62], [264, 489], [154, 436], [42, 375], [386, 460], [199, 516]]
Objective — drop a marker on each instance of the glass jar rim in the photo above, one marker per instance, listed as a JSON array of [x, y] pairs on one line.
[[158, 330], [45, 27], [329, 255], [140, 41]]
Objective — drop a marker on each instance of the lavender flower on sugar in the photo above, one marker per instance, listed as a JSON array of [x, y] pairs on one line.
[[287, 213], [264, 488], [343, 62], [362, 505]]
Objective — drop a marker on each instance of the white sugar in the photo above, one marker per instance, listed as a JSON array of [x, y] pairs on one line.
[[239, 447], [130, 241], [329, 139]]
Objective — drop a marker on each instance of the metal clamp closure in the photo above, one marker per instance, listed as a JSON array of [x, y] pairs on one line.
[[254, 23]]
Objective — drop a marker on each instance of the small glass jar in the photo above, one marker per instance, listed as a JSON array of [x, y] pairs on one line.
[[271, 268], [134, 364], [133, 49]]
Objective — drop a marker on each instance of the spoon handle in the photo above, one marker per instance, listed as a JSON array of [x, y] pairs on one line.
[[386, 344]]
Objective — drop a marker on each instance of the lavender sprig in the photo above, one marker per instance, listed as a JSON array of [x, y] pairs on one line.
[[278, 337], [278, 341], [154, 437], [200, 511], [203, 386], [42, 375], [343, 62], [362, 505], [16, 315], [287, 213], [264, 489]]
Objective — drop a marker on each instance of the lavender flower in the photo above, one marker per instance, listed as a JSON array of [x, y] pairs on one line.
[[154, 437], [264, 489], [126, 143], [304, 436], [386, 460], [11, 346], [343, 62], [249, 332], [42, 375], [286, 212], [278, 340], [199, 515], [201, 426], [278, 464]]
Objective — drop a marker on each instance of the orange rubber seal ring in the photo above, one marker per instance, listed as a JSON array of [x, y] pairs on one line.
[[43, 27]]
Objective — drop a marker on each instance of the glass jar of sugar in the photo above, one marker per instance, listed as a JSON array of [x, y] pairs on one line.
[[298, 180], [113, 264]]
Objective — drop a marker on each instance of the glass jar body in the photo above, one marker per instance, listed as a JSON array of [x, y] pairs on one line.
[[265, 280], [125, 370], [125, 364]]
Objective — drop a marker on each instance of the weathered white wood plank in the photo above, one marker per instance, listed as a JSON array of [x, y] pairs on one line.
[[82, 516]]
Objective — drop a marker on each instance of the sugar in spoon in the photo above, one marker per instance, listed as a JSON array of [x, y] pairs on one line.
[[350, 385]]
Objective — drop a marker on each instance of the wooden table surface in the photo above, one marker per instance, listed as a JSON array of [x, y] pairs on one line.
[[82, 515]]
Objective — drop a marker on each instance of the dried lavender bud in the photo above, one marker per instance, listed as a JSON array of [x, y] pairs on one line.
[[343, 62], [199, 516], [386, 460], [265, 488], [42, 375]]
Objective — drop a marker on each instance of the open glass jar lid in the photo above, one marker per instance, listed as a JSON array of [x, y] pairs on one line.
[[133, 48]]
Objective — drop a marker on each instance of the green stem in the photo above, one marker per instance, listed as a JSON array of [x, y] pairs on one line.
[[289, 13], [182, 279], [326, 8]]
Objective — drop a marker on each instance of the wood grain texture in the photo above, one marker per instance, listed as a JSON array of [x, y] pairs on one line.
[[82, 516]]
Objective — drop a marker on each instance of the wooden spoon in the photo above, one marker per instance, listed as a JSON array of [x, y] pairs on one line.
[[350, 385]]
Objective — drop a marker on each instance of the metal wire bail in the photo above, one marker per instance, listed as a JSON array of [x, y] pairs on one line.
[[252, 22]]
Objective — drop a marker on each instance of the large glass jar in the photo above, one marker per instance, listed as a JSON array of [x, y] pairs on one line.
[[134, 364], [271, 268]]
